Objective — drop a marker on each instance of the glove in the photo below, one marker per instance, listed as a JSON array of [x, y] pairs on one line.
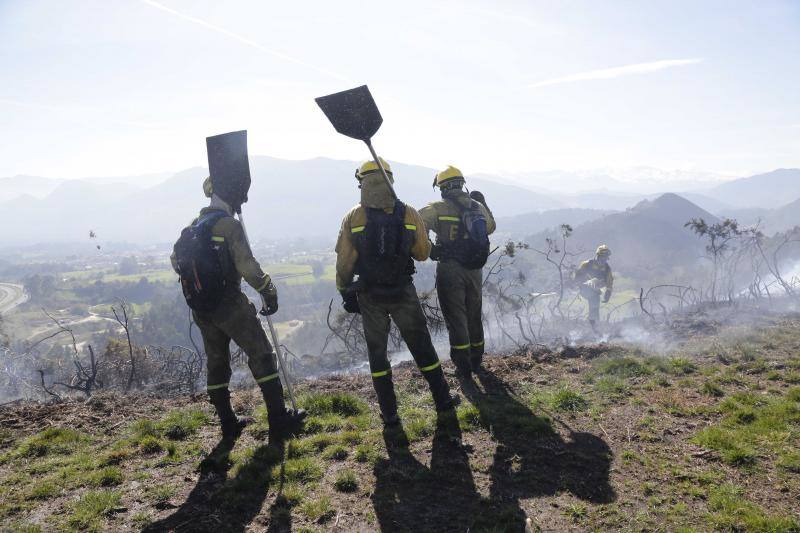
[[606, 295], [436, 252], [269, 296], [350, 301], [478, 197]]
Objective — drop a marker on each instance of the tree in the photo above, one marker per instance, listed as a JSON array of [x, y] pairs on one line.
[[557, 255], [720, 236], [129, 265]]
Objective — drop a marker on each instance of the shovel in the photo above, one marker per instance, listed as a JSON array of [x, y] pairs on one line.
[[229, 167], [354, 113]]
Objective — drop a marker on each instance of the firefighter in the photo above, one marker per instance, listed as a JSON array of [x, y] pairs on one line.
[[379, 240], [595, 281], [460, 256], [234, 317]]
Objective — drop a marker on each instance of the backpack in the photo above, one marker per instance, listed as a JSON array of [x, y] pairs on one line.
[[384, 249], [472, 243], [200, 263]]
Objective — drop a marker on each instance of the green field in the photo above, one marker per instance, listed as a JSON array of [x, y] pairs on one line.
[[166, 275]]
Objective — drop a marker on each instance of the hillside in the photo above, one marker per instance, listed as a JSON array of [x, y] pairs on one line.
[[647, 237], [771, 190], [603, 437], [522, 225], [317, 192]]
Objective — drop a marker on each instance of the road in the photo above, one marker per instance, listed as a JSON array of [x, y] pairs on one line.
[[11, 296]]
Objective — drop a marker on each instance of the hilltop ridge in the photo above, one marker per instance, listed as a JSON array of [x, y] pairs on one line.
[[596, 437]]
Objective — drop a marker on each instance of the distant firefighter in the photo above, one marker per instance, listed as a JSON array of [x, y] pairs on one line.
[[595, 280]]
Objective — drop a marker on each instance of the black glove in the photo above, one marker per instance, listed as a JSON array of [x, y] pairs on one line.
[[350, 301], [269, 296], [436, 252], [606, 295], [478, 197]]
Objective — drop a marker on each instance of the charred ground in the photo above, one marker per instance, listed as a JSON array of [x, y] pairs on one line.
[[597, 437]]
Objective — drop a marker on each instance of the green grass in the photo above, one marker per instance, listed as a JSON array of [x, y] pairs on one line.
[[335, 453], [711, 388], [418, 423], [730, 511], [576, 512], [469, 417], [612, 387], [342, 404], [107, 477], [151, 445], [88, 512], [181, 423], [299, 470], [50, 441], [318, 510], [161, 493], [291, 495], [346, 481], [324, 423], [621, 367], [43, 490], [366, 453], [754, 425], [565, 399]]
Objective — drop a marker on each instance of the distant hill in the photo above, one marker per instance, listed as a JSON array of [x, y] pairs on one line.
[[520, 226], [34, 186], [648, 237], [783, 218], [288, 199], [771, 190]]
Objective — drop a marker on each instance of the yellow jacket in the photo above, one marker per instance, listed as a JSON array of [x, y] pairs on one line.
[[228, 230], [374, 194], [591, 268], [444, 218]]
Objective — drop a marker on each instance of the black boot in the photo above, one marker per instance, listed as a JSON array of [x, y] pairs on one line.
[[231, 425], [476, 358], [387, 401], [461, 360], [440, 390], [282, 421]]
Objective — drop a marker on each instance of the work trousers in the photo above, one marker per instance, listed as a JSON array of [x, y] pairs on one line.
[[460, 293], [236, 318]]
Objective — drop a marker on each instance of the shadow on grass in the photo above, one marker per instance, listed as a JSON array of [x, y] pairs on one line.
[[410, 496], [532, 459], [217, 503]]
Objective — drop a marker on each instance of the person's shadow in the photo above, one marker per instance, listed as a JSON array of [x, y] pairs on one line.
[[531, 458], [409, 496], [217, 503]]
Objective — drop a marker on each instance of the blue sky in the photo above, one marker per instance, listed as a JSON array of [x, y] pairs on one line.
[[121, 87]]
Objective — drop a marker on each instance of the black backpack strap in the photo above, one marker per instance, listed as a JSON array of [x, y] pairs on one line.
[[211, 218]]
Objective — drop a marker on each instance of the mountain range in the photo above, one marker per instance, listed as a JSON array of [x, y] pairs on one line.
[[293, 199]]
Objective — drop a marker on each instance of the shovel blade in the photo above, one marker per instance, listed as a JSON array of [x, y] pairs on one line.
[[229, 165], [352, 112]]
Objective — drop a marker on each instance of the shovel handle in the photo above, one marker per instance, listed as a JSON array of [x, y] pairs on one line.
[[368, 142], [275, 341]]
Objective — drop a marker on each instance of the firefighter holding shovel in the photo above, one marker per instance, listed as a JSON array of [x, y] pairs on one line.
[[378, 241], [212, 256]]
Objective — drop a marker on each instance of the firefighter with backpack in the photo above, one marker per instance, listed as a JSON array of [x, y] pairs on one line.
[[211, 257], [462, 223], [379, 240]]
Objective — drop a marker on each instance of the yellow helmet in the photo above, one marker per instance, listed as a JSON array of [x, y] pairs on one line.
[[208, 189], [448, 174], [368, 167], [603, 250]]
